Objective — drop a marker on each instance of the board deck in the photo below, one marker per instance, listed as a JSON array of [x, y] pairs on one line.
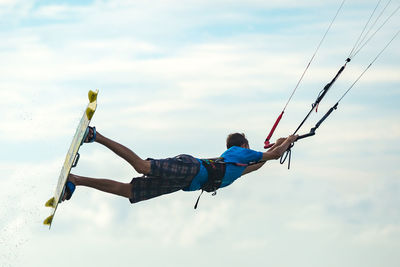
[[72, 156]]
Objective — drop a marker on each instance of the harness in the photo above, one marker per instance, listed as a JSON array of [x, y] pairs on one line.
[[216, 171]]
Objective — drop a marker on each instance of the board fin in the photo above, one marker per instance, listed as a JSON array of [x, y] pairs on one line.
[[48, 220], [50, 203], [90, 112], [93, 95]]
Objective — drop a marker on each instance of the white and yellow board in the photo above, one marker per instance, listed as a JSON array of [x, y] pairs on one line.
[[72, 156]]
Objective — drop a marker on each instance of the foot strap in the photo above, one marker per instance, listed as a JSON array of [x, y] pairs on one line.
[[90, 139]]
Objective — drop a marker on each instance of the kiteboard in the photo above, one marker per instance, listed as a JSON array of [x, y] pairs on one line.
[[72, 157]]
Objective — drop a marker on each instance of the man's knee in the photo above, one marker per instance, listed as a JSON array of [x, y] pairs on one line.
[[125, 190]]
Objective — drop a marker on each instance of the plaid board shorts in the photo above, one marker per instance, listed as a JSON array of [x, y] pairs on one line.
[[166, 176]]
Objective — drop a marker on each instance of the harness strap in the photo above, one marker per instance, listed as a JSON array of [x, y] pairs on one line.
[[216, 171], [198, 199]]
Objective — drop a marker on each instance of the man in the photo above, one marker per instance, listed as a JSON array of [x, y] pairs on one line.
[[182, 172]]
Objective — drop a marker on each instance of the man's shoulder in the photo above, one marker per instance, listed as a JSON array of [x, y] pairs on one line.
[[238, 149], [241, 155]]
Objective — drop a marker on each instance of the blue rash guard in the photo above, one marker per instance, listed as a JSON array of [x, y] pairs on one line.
[[233, 156]]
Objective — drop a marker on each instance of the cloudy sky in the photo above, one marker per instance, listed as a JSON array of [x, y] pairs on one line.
[[177, 77]]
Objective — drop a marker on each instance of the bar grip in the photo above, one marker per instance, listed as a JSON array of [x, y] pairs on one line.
[[311, 133]]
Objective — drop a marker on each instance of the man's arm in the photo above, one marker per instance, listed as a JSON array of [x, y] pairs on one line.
[[275, 152], [279, 148], [253, 167]]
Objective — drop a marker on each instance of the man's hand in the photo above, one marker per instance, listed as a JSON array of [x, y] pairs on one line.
[[281, 145], [287, 143], [292, 138], [275, 152], [277, 143]]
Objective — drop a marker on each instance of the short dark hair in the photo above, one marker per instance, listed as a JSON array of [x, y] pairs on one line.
[[236, 139]]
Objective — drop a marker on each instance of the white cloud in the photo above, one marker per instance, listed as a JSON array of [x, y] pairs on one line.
[[7, 2], [57, 12], [381, 235]]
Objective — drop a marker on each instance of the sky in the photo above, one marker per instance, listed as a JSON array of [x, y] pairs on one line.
[[176, 77]]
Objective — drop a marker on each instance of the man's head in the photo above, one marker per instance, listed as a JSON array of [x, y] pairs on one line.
[[237, 139]]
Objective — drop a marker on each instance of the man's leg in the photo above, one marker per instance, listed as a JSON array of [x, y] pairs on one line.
[[140, 165], [105, 185]]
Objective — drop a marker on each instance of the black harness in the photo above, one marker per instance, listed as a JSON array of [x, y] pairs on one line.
[[216, 171]]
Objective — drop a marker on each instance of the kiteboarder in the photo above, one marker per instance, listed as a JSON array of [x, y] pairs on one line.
[[183, 172]]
